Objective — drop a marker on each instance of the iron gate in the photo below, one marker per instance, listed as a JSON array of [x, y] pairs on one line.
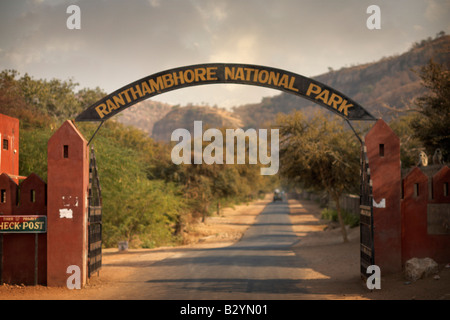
[[367, 253], [94, 218]]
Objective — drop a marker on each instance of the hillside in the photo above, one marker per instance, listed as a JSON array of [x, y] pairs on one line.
[[144, 114], [383, 88], [184, 117]]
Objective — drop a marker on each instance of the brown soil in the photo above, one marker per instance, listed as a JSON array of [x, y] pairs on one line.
[[333, 265], [321, 245]]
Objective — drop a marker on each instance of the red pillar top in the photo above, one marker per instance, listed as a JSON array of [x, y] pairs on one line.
[[9, 146]]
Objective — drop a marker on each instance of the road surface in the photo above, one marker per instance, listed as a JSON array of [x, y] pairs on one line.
[[260, 266], [282, 256]]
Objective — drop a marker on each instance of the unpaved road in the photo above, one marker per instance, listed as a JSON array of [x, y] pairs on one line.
[[284, 254]]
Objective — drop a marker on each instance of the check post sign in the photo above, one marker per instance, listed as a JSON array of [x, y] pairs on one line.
[[23, 224]]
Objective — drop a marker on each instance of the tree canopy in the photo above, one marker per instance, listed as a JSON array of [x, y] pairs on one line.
[[432, 125], [319, 154], [145, 196]]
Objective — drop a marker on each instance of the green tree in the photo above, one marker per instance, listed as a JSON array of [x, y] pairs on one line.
[[14, 104], [135, 208], [410, 146], [145, 196], [39, 101], [431, 125], [321, 155], [55, 97]]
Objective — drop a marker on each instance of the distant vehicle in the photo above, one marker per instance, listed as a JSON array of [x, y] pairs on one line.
[[277, 195]]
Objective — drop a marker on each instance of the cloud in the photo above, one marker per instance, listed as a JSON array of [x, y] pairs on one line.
[[437, 10], [154, 3], [244, 48]]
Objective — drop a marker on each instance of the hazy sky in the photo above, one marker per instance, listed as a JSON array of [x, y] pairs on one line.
[[122, 41]]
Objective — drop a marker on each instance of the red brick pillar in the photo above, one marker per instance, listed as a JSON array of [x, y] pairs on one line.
[[383, 151], [67, 185], [415, 241], [9, 146]]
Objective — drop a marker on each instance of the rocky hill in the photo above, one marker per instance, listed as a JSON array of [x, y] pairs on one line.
[[384, 88], [144, 114], [184, 117]]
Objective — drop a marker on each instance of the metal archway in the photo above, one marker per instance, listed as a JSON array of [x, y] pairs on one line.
[[216, 73]]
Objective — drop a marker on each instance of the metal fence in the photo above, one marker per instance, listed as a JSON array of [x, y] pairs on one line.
[[95, 218]]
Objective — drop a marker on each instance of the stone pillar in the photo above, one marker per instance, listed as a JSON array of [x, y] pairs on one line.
[[67, 185], [383, 152]]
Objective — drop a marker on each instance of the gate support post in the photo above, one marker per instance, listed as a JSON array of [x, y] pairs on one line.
[[383, 152], [68, 180]]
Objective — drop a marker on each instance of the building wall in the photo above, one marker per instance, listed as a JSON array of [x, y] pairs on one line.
[[19, 248], [426, 214], [411, 214], [65, 243], [9, 146]]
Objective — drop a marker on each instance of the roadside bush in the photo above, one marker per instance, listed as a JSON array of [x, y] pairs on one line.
[[350, 219]]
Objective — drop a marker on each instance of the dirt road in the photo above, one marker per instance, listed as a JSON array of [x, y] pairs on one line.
[[263, 250]]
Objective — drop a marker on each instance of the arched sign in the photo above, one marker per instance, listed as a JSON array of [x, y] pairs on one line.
[[202, 74]]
